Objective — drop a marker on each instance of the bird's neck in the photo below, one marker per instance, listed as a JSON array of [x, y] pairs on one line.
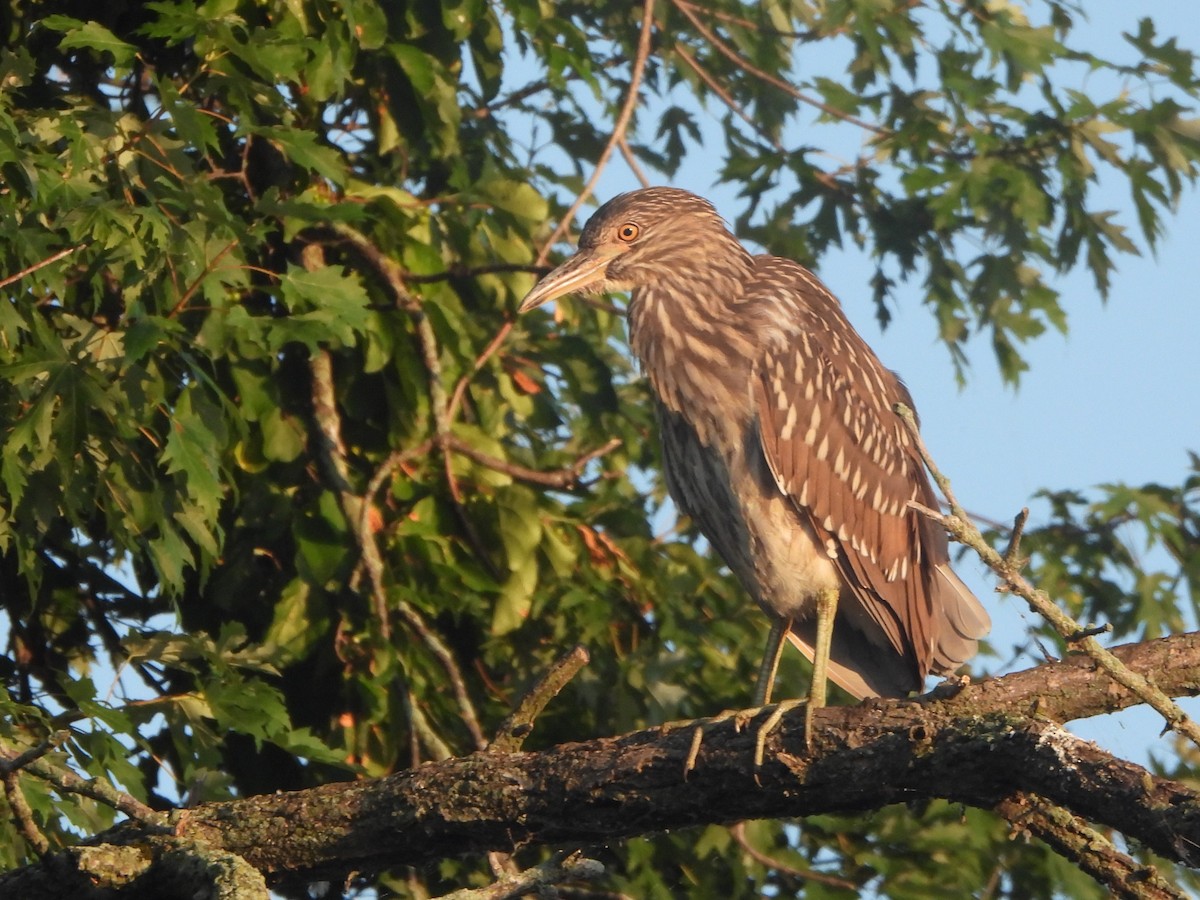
[[689, 338]]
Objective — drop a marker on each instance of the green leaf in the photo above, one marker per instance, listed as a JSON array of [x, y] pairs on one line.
[[91, 35], [193, 450], [304, 149]]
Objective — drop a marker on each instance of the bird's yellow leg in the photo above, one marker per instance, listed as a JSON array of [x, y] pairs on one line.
[[762, 696], [827, 602], [766, 682], [770, 662]]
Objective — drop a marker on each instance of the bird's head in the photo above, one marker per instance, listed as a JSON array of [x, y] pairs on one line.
[[655, 235]]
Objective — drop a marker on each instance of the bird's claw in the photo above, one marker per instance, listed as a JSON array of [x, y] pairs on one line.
[[777, 714], [739, 716]]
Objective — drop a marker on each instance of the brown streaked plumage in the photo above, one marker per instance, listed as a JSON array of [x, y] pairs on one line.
[[780, 441]]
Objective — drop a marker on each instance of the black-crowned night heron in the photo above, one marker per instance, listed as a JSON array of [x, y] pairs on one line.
[[780, 440]]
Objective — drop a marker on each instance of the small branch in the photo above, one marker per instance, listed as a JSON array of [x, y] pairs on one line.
[[392, 273], [14, 763], [330, 427], [191, 289], [741, 22], [40, 264], [332, 454], [466, 709], [395, 460], [1077, 842], [739, 834], [23, 814], [387, 268], [1089, 632], [746, 66], [564, 867], [563, 479], [631, 161], [438, 749], [961, 527], [512, 731], [33, 761], [1012, 554], [475, 271], [719, 89], [97, 789], [618, 132], [493, 345]]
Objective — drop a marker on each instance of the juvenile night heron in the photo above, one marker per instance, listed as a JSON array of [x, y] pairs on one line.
[[780, 440]]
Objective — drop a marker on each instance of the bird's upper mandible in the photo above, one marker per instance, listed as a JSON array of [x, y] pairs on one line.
[[655, 235]]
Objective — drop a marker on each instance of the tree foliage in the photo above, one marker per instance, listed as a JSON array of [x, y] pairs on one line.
[[287, 497]]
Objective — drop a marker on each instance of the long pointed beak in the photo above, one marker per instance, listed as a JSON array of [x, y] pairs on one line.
[[585, 271]]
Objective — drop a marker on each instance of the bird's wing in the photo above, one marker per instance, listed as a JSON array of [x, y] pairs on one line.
[[838, 451]]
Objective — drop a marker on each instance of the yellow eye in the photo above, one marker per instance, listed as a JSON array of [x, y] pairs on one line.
[[628, 232]]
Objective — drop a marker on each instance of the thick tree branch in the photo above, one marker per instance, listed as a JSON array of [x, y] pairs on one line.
[[986, 744], [865, 757], [1074, 840]]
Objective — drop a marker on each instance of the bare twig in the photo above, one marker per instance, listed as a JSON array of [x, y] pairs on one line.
[[746, 66], [534, 87], [563, 867], [512, 731], [560, 478], [1012, 554], [720, 90], [40, 264], [475, 271], [739, 834], [964, 530], [618, 132], [631, 161], [493, 345], [741, 22], [1089, 632]]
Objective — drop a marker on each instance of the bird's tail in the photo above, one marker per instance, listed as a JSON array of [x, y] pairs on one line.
[[963, 621]]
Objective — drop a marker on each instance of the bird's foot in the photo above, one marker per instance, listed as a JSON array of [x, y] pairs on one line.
[[777, 714], [689, 764]]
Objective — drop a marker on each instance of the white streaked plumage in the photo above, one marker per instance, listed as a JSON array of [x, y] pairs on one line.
[[780, 440]]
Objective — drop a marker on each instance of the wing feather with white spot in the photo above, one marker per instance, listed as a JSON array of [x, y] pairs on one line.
[[838, 450]]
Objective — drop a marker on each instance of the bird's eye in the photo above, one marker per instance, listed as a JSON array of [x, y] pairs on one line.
[[628, 232]]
